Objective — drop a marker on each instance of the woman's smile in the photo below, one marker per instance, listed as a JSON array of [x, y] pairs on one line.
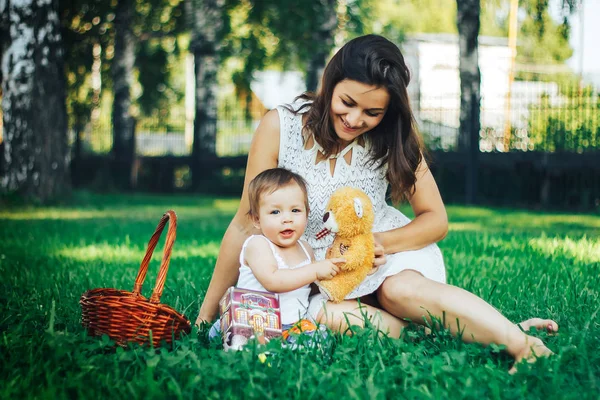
[[356, 108], [347, 127]]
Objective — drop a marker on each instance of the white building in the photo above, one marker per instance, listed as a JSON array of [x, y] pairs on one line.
[[435, 86]]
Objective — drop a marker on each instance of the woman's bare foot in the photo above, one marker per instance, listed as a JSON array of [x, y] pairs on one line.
[[533, 349], [548, 325]]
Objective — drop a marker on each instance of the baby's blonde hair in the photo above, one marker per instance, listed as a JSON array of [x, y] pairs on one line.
[[269, 181]]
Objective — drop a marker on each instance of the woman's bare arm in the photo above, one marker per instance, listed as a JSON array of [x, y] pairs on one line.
[[431, 221], [263, 154]]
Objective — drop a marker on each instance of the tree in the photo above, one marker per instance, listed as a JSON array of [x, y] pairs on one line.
[[208, 23], [36, 154], [467, 19], [322, 40], [87, 32], [123, 150], [304, 33]]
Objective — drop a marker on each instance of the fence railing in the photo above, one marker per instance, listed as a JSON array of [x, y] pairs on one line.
[[539, 117], [174, 135]]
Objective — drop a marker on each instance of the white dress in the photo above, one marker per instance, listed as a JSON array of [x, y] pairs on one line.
[[293, 304], [321, 184]]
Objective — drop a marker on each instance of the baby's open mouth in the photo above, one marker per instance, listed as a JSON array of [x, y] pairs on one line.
[[322, 233], [287, 232]]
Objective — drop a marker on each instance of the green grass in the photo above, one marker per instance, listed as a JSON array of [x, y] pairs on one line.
[[525, 263]]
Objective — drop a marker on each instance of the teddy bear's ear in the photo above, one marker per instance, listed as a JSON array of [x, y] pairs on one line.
[[358, 207]]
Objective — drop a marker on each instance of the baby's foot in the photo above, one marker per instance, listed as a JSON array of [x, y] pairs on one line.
[[533, 349], [540, 324]]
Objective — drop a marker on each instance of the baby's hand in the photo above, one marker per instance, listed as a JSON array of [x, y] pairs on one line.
[[327, 269]]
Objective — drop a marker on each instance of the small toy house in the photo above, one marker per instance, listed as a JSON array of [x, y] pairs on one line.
[[247, 314]]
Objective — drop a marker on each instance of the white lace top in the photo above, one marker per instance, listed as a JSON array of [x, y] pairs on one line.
[[321, 185], [293, 304]]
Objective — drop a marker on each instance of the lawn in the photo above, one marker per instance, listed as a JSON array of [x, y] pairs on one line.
[[524, 263]]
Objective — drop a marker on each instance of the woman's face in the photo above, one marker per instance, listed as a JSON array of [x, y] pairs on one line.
[[356, 108]]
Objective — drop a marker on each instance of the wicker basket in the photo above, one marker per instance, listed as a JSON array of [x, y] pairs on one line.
[[130, 317]]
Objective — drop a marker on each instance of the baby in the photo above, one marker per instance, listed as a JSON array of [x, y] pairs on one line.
[[277, 260]]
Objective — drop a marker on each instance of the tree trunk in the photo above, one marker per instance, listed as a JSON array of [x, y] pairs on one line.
[[323, 41], [467, 19], [123, 150], [206, 20], [36, 154]]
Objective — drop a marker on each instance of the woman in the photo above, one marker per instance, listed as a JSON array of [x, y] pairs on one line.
[[359, 131]]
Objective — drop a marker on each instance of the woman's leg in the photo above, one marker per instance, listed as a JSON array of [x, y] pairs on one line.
[[337, 317], [410, 295], [548, 325]]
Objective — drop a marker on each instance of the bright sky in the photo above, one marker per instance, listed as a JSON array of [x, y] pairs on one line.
[[586, 52]]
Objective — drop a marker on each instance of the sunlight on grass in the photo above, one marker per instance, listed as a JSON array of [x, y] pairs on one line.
[[464, 226], [126, 254], [56, 214], [525, 263], [521, 219], [509, 221], [471, 212], [210, 249], [226, 205], [126, 212], [584, 250], [102, 252]]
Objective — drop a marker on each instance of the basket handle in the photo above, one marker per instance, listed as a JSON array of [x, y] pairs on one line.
[[164, 265]]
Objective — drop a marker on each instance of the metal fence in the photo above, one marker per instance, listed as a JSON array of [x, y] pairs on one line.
[[539, 117]]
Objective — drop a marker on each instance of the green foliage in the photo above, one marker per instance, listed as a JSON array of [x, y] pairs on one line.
[[158, 24], [88, 35], [428, 16], [155, 61], [281, 34], [541, 40], [571, 126], [524, 263], [87, 28]]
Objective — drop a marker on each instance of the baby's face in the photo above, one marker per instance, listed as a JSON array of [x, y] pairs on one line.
[[282, 215]]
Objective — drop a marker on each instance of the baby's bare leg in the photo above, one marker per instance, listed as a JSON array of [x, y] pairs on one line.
[[338, 316]]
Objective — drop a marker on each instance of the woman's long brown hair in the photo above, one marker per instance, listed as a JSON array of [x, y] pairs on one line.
[[372, 60]]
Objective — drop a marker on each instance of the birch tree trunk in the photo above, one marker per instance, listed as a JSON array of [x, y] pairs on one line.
[[467, 19], [36, 154], [206, 20], [123, 150], [323, 41]]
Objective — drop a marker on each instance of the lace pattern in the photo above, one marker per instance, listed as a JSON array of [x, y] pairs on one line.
[[361, 174]]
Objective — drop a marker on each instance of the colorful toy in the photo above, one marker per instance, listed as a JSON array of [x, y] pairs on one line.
[[248, 314], [350, 216]]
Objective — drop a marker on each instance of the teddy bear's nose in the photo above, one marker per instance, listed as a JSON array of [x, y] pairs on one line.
[[326, 216]]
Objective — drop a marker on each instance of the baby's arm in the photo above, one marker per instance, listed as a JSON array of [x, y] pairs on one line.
[[260, 259]]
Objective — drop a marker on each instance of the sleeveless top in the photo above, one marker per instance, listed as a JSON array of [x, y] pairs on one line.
[[293, 304], [321, 184]]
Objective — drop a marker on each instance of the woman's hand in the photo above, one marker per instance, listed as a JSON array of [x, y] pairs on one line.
[[379, 259]]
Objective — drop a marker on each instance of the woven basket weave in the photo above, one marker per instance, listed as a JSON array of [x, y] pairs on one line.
[[130, 317]]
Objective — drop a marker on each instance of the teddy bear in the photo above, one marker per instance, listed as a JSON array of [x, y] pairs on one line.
[[349, 215]]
